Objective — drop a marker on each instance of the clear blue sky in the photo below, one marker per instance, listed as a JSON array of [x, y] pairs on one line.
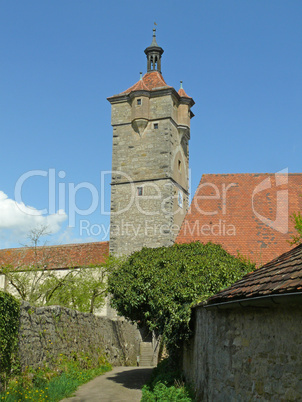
[[240, 60]]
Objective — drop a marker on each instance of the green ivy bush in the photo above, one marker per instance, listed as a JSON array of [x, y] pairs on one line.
[[9, 324], [167, 384], [157, 287]]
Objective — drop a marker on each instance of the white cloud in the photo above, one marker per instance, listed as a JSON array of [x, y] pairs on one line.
[[68, 237], [17, 219]]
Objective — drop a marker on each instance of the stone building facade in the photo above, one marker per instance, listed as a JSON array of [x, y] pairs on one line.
[[246, 342], [150, 160], [246, 354]]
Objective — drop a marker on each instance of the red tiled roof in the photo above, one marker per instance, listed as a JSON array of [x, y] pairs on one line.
[[149, 82], [245, 213], [139, 86], [56, 257], [280, 276], [183, 94]]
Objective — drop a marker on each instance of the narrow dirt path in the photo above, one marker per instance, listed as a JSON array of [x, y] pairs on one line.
[[120, 384]]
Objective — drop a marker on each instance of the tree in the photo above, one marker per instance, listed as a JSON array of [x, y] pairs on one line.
[[157, 287], [297, 219], [27, 275], [83, 289], [31, 279]]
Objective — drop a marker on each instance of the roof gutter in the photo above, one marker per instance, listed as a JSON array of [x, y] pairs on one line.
[[260, 302]]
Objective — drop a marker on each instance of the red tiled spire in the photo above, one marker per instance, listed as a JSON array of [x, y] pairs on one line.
[[149, 82], [182, 92], [153, 79]]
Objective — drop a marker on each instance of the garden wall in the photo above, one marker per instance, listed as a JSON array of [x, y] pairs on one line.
[[47, 332], [245, 354]]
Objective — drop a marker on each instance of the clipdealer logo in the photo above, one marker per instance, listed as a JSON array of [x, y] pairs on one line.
[[62, 195], [280, 224]]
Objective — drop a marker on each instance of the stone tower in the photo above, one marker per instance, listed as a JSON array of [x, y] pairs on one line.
[[150, 160]]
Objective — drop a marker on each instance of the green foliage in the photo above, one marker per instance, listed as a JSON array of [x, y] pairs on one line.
[[47, 385], [9, 324], [166, 384], [26, 282], [157, 287], [82, 289], [163, 393], [297, 238]]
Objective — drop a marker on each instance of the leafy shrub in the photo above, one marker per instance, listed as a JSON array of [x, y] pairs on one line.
[[166, 384], [9, 324], [157, 287]]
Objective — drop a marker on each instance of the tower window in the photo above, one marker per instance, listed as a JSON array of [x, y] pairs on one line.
[[139, 102], [139, 191], [179, 166], [180, 199], [155, 126]]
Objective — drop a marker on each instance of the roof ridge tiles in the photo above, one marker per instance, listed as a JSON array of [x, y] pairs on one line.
[[57, 256], [279, 276], [53, 245], [150, 81]]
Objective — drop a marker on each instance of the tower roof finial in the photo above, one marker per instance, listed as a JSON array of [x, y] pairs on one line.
[[154, 43], [153, 53]]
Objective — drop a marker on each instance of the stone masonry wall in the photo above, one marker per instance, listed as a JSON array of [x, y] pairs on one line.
[[147, 220], [155, 160], [246, 354], [47, 332]]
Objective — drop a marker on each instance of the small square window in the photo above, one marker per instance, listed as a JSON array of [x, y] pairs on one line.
[[139, 191], [139, 102], [155, 126]]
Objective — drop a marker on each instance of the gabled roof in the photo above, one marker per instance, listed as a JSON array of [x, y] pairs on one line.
[[247, 214], [149, 82], [56, 257], [281, 276]]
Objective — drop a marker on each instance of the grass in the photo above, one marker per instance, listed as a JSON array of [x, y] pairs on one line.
[[53, 385], [166, 385]]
